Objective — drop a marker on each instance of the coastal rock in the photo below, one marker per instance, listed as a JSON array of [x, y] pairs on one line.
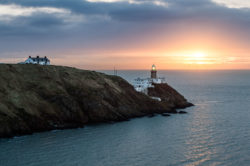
[[38, 98], [165, 114], [151, 115], [168, 95]]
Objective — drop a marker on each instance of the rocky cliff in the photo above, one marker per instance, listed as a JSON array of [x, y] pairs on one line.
[[39, 98], [168, 95]]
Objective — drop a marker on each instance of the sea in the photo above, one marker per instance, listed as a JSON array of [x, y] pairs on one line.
[[215, 132]]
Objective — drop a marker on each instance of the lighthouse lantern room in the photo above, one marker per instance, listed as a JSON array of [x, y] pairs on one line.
[[153, 72]]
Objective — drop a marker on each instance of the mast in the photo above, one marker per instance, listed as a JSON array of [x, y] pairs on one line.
[[115, 72]]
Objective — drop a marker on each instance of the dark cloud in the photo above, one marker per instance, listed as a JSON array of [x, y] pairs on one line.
[[45, 21], [144, 12]]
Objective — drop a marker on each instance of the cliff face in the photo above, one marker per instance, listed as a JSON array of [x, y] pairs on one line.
[[168, 95], [39, 98]]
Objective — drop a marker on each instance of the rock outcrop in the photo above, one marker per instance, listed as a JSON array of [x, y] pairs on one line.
[[168, 95], [37, 98]]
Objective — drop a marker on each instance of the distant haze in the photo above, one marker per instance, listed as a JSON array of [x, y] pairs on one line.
[[128, 34]]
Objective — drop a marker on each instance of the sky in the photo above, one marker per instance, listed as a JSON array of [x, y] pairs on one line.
[[128, 34]]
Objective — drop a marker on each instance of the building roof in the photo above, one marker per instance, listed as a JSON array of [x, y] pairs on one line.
[[39, 58]]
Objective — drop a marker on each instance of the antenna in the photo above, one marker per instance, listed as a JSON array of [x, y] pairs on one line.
[[115, 71]]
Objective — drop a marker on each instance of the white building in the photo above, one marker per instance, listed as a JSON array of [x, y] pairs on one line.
[[142, 84], [37, 60]]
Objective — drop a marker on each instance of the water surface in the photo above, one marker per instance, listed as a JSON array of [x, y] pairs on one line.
[[214, 132]]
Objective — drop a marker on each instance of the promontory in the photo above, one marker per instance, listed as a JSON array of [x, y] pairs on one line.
[[36, 98]]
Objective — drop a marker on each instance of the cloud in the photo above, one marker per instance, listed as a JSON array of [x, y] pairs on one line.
[[20, 20], [131, 10], [87, 15], [138, 2], [234, 3], [12, 11]]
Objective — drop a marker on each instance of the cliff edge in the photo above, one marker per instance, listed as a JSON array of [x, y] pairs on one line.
[[37, 98]]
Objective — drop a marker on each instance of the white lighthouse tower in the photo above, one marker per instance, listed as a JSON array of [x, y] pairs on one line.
[[142, 84]]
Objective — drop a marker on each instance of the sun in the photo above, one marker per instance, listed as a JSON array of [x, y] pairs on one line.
[[196, 58], [199, 55]]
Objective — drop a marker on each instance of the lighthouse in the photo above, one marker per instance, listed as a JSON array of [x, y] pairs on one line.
[[153, 72], [142, 84]]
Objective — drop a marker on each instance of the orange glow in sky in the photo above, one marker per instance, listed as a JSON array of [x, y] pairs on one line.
[[129, 34], [201, 49]]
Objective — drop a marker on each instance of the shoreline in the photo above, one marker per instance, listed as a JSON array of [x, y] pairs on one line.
[[43, 98]]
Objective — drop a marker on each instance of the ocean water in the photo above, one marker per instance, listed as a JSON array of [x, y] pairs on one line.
[[215, 132]]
